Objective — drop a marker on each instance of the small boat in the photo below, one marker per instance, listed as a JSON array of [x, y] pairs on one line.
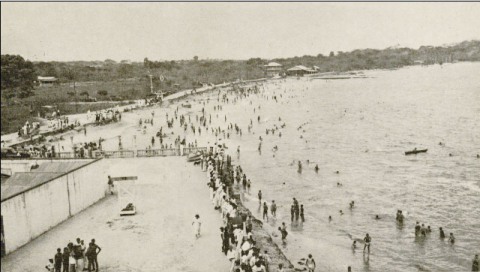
[[128, 210], [194, 157], [415, 151]]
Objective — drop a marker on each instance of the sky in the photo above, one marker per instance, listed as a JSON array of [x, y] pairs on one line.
[[174, 31]]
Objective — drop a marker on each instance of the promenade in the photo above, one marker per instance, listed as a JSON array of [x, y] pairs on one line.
[[159, 237]]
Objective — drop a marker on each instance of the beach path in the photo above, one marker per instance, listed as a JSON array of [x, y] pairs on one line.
[[159, 237]]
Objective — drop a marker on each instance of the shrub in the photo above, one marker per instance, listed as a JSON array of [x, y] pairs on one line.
[[70, 93], [84, 93], [102, 92]]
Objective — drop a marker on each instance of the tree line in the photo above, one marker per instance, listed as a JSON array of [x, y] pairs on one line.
[[18, 75]]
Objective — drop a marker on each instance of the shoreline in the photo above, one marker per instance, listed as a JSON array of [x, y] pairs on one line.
[[263, 238]]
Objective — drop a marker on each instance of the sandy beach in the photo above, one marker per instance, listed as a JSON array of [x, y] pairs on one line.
[[170, 192]]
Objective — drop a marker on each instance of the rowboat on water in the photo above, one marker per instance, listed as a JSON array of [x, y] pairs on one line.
[[415, 151]]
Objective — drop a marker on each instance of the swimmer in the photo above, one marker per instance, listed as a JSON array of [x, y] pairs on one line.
[[451, 239], [377, 217], [329, 218], [354, 245], [338, 172], [316, 168], [341, 212], [339, 184], [352, 204]]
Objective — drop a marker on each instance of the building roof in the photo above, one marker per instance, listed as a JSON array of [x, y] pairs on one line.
[[41, 78], [60, 167], [273, 64], [300, 68], [21, 182]]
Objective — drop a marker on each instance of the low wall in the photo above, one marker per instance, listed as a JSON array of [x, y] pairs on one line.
[[33, 212], [16, 166]]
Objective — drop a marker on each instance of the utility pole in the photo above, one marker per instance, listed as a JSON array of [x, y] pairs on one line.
[[151, 83]]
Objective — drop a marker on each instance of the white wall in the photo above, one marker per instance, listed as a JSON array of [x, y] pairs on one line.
[[34, 212]]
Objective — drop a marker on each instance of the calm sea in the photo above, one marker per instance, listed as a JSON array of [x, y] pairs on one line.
[[361, 128]]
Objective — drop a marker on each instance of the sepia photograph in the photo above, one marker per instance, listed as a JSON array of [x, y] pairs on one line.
[[240, 136]]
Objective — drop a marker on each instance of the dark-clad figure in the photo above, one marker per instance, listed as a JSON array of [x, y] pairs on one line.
[[58, 260], [442, 234], [475, 264]]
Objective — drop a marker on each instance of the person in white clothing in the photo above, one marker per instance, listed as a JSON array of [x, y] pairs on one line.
[[196, 226]]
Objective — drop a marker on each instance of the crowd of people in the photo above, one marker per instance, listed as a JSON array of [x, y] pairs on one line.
[[75, 257], [238, 242]]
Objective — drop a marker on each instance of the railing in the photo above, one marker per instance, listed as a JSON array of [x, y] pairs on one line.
[[66, 155], [115, 154], [158, 152], [190, 150]]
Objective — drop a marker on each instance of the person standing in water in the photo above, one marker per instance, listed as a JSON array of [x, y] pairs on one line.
[[442, 234], [265, 211], [367, 240], [451, 239], [310, 263], [196, 226], [260, 196], [273, 208], [475, 264]]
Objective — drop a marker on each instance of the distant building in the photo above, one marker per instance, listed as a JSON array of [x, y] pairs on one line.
[[47, 81], [300, 70], [273, 69]]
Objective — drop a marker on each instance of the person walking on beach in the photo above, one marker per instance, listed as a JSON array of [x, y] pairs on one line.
[[110, 185], [273, 208], [302, 216], [260, 196], [310, 263], [367, 241], [265, 211], [196, 226]]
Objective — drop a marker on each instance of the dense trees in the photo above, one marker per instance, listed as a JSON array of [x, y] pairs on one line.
[[17, 76]]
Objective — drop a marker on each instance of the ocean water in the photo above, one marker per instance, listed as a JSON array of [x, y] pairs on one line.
[[361, 128]]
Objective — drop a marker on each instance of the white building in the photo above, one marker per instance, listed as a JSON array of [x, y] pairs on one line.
[[273, 69]]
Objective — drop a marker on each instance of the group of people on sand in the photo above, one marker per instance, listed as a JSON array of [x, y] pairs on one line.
[[75, 257]]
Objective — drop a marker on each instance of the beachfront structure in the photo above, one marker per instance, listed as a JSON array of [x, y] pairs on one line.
[[35, 200], [300, 70], [273, 69], [46, 81]]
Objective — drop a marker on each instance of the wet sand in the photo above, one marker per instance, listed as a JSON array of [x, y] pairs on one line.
[[158, 238]]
